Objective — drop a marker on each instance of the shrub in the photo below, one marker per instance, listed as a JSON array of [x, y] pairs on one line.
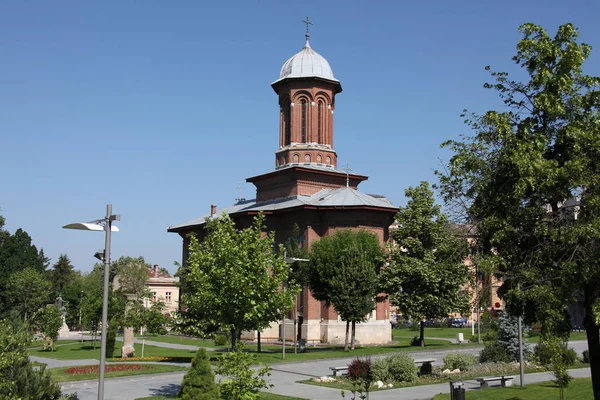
[[360, 369], [415, 325], [220, 340], [543, 353], [239, 379], [199, 381], [379, 369], [402, 368], [508, 337], [426, 369], [461, 361], [415, 341], [493, 352], [586, 356], [111, 338]]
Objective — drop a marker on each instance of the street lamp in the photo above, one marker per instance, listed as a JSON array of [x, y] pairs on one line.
[[104, 224], [288, 260]]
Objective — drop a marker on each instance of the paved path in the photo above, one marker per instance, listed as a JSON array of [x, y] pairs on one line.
[[284, 377]]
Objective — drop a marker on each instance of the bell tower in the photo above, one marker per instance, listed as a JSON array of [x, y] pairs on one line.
[[306, 88]]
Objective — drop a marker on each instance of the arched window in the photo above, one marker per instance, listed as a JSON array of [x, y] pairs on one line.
[[319, 159], [287, 123], [296, 158], [307, 158], [328, 160], [304, 106], [320, 121]]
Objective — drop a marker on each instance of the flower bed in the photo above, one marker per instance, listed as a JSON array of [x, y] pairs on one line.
[[154, 358], [94, 369]]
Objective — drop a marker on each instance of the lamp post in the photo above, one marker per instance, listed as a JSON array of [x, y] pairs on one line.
[[288, 260], [105, 225]]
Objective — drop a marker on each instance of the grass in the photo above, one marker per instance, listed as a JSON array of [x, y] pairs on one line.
[[59, 374], [450, 333], [326, 352], [577, 389], [78, 351], [263, 396], [190, 341]]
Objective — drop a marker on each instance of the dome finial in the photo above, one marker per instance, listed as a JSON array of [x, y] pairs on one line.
[[307, 35]]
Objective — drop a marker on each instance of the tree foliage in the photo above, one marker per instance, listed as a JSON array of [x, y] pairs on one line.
[[49, 320], [132, 274], [234, 278], [426, 273], [27, 291], [18, 378], [199, 382], [344, 273], [239, 380], [508, 337], [62, 274], [529, 177]]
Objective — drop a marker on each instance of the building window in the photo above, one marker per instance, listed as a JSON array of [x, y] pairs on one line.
[[154, 297], [319, 121], [307, 158], [304, 116], [168, 297], [287, 123]]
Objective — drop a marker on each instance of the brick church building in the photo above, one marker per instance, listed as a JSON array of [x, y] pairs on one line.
[[307, 188]]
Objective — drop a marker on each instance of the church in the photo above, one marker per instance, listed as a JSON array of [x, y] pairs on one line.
[[307, 188]]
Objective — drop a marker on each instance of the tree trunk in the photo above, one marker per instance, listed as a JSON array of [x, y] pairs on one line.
[[258, 341], [233, 339], [593, 338], [353, 334], [422, 334], [347, 334]]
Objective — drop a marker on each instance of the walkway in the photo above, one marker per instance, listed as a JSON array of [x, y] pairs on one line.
[[284, 377]]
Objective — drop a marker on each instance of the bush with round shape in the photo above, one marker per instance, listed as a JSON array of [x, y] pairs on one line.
[[379, 369], [402, 368], [220, 340], [543, 354], [493, 352], [461, 361], [426, 369], [585, 356], [199, 382]]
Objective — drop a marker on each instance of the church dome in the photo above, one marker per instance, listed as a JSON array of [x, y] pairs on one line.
[[307, 64]]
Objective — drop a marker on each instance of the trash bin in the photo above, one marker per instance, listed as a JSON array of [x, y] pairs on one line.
[[457, 391], [302, 344]]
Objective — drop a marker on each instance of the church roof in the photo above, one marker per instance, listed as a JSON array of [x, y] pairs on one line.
[[334, 198], [307, 63]]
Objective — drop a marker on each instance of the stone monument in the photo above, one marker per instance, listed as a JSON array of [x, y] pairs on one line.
[[64, 329]]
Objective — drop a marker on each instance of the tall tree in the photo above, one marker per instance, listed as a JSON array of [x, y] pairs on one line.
[[62, 274], [343, 273], [27, 291], [530, 178], [133, 273], [426, 273], [234, 278]]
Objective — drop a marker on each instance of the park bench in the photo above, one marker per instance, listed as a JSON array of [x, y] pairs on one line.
[[339, 369], [425, 360], [505, 381]]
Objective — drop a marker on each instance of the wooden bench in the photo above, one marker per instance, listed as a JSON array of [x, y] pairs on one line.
[[505, 381], [425, 360], [339, 369]]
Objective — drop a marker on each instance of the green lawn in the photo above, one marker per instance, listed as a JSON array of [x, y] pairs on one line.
[[83, 351], [263, 396], [190, 341], [450, 333], [579, 389], [318, 353], [61, 374]]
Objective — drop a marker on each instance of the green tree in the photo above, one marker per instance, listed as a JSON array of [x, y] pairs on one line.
[[61, 274], [343, 273], [18, 378], [149, 320], [199, 382], [238, 378], [426, 271], [49, 321], [132, 274], [27, 291], [16, 253], [530, 178], [234, 279]]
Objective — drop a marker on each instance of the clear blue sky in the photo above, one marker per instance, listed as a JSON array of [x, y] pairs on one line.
[[163, 107]]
